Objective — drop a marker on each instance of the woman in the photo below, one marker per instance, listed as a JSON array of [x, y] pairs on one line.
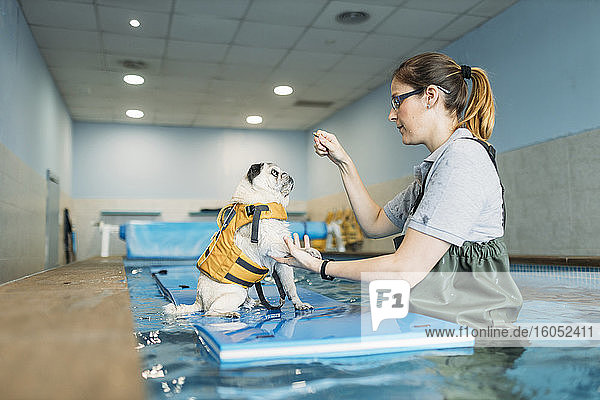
[[452, 215]]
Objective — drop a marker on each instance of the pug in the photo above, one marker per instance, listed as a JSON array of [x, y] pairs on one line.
[[264, 183]]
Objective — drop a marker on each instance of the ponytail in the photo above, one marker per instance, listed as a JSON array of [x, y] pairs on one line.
[[479, 117]]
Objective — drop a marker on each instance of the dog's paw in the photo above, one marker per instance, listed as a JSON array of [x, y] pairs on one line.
[[314, 252], [303, 306], [229, 314]]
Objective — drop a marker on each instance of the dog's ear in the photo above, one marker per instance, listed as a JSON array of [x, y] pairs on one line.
[[254, 171]]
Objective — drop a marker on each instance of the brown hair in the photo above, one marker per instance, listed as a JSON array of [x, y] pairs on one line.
[[438, 69]]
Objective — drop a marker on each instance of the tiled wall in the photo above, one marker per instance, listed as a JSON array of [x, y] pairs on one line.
[[552, 198], [552, 193], [86, 215], [23, 218], [35, 135]]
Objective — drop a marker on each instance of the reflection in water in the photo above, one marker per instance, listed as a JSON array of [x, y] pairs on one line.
[[257, 326], [572, 373], [481, 373]]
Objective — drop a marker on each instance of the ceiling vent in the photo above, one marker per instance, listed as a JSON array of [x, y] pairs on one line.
[[312, 103], [133, 64], [352, 17]]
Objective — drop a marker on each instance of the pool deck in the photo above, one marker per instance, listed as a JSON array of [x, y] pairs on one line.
[[67, 333]]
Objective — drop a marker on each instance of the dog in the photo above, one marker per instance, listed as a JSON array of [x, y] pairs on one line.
[[264, 183]]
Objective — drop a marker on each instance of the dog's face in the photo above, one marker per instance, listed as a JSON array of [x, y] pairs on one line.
[[269, 177]]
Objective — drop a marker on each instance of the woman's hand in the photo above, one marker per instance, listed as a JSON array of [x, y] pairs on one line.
[[327, 144], [299, 256]]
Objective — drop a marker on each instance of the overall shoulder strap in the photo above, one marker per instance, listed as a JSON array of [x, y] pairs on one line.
[[492, 154], [488, 148], [420, 195]]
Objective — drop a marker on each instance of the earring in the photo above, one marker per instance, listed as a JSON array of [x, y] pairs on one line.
[[428, 106]]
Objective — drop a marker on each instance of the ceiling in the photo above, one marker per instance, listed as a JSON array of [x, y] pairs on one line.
[[211, 63]]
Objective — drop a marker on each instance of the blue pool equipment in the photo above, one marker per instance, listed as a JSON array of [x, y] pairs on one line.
[[298, 227], [151, 240], [316, 229], [166, 240], [332, 329]]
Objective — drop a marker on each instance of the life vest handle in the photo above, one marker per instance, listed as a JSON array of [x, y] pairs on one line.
[[255, 212]]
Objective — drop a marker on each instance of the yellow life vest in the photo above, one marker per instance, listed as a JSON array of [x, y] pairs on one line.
[[223, 261]]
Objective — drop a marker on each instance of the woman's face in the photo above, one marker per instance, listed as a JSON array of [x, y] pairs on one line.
[[409, 115]]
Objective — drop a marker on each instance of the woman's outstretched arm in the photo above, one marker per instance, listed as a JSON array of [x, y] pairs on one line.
[[369, 215], [413, 260]]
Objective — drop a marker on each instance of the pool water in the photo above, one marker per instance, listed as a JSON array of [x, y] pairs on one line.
[[176, 365]]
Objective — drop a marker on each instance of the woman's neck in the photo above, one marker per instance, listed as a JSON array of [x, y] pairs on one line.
[[440, 134]]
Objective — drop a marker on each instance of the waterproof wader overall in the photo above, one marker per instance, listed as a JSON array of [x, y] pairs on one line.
[[470, 285]]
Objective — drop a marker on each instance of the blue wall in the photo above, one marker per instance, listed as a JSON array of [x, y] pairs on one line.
[[372, 142], [543, 58], [34, 122], [139, 161]]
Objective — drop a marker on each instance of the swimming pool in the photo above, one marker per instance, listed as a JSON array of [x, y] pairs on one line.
[[176, 365]]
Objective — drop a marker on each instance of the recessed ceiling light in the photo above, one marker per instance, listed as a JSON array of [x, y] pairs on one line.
[[134, 113], [254, 119], [133, 79], [283, 90], [135, 23]]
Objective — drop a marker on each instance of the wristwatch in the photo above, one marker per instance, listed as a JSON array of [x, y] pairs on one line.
[[323, 274]]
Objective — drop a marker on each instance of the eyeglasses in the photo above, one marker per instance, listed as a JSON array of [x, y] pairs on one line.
[[397, 100]]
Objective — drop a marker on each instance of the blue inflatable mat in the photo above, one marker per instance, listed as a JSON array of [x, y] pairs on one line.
[[316, 229], [166, 240], [151, 240], [298, 227], [332, 329]]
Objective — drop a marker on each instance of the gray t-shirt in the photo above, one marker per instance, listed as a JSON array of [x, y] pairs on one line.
[[462, 199]]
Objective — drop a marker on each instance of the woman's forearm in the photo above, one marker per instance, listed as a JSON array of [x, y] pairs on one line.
[[417, 255], [369, 215], [365, 209], [388, 266]]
